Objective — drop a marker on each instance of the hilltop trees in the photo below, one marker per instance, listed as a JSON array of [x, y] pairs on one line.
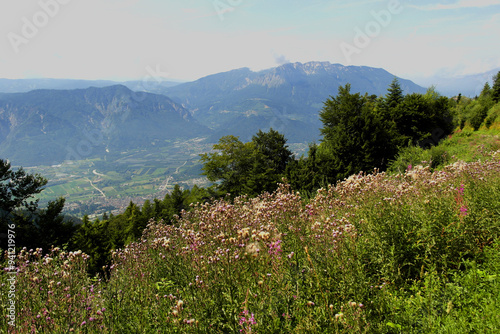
[[354, 134], [365, 132], [247, 168]]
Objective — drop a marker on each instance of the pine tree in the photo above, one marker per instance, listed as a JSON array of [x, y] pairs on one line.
[[495, 94], [395, 94], [355, 137], [486, 90]]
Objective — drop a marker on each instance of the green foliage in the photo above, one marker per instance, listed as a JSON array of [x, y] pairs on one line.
[[355, 137], [478, 115], [34, 227], [394, 95], [307, 174], [361, 133], [495, 91], [230, 165], [17, 187], [247, 168], [461, 146], [423, 120], [479, 112]]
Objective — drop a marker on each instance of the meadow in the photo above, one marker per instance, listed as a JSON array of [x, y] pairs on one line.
[[409, 252]]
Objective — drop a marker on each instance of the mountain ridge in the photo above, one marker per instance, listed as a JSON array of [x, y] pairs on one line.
[[293, 91], [48, 126]]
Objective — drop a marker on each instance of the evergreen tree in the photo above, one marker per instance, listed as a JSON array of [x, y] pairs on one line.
[[95, 239], [310, 173], [495, 94], [423, 119], [354, 135], [486, 92], [394, 95], [52, 228]]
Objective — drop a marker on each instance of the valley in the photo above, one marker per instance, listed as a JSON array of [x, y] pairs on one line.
[[101, 185], [107, 184]]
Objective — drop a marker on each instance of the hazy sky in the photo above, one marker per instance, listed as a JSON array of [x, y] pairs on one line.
[[188, 39]]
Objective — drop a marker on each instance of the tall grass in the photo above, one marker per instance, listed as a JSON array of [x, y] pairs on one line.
[[416, 252]]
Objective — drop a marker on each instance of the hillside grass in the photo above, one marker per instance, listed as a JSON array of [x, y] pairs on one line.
[[463, 145], [410, 252]]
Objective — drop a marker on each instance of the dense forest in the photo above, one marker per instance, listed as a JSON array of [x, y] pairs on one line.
[[359, 133]]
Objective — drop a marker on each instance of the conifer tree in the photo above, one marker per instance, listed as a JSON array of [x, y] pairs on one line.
[[394, 94], [495, 94], [354, 135]]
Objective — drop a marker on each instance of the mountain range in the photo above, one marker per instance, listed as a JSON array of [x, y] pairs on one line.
[[26, 85], [47, 126], [51, 126]]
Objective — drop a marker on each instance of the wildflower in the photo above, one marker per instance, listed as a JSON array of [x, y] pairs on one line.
[[253, 248], [310, 303], [463, 211], [180, 303]]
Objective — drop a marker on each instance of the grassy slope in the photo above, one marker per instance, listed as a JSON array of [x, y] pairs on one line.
[[416, 252]]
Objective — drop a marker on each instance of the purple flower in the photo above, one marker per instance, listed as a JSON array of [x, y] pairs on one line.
[[463, 211]]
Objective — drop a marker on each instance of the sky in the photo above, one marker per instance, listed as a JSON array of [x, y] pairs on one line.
[[188, 39]]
